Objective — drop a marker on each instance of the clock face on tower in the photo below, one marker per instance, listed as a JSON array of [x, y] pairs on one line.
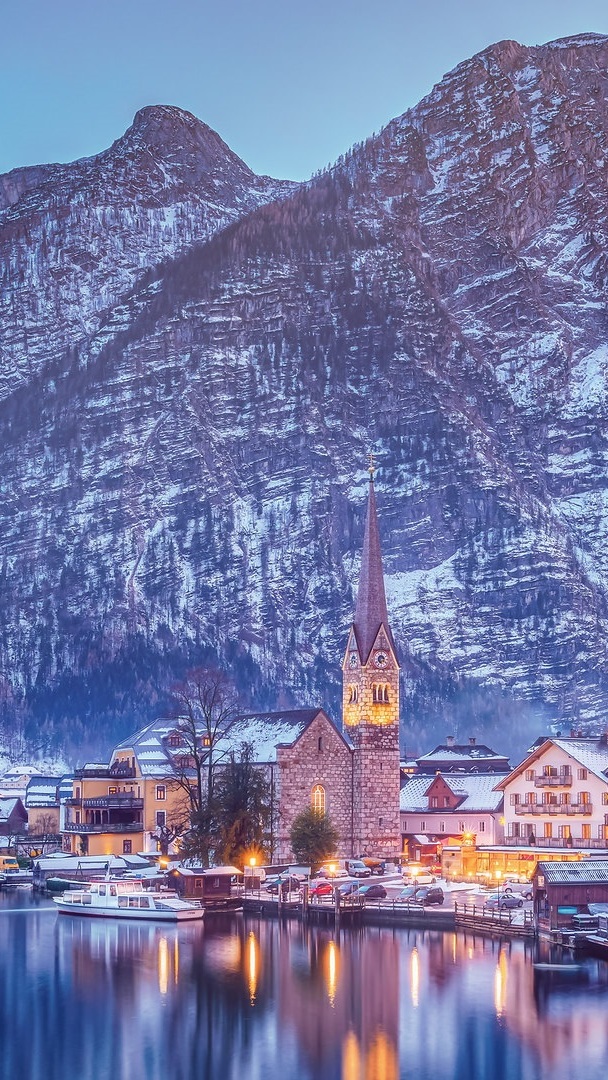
[[352, 660], [380, 659]]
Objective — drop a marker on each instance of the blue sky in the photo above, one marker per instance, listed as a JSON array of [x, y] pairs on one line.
[[288, 85]]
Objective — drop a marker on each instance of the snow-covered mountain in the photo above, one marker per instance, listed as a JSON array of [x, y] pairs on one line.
[[195, 362]]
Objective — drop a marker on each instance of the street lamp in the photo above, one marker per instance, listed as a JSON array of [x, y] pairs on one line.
[[497, 875]]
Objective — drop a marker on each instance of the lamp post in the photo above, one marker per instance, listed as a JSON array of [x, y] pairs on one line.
[[497, 875], [252, 863]]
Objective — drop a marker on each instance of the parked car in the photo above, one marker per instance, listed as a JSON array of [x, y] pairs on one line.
[[357, 868], [287, 884], [377, 866], [347, 888], [331, 871], [515, 888], [503, 901], [321, 888], [418, 875], [372, 892], [425, 894]]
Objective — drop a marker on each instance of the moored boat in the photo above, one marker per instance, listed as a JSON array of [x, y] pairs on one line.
[[127, 900]]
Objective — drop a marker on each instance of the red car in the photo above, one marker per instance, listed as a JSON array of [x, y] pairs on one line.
[[322, 888]]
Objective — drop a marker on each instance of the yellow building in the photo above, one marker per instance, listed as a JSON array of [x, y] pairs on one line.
[[120, 808]]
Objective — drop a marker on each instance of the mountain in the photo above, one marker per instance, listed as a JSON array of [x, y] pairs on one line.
[[196, 361]]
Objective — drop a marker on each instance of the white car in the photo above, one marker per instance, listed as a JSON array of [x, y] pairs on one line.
[[414, 876]]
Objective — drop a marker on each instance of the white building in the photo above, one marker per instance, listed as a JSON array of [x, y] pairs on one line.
[[434, 808], [558, 796]]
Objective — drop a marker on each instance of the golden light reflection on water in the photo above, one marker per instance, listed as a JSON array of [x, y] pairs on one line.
[[252, 966], [379, 1062], [175, 961], [500, 984], [415, 977], [332, 971], [163, 965]]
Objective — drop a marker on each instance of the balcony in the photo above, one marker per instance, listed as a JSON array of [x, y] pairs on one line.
[[560, 780], [551, 809], [108, 802], [106, 827], [555, 842]]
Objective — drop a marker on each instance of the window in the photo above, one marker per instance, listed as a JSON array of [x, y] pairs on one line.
[[206, 740], [461, 826], [442, 826], [482, 826], [548, 829], [564, 798], [514, 798], [161, 818], [582, 774], [112, 791], [565, 770], [529, 774], [446, 800], [602, 832], [175, 739], [549, 770], [423, 826], [352, 695], [126, 847], [563, 831], [161, 792], [78, 817], [514, 828], [585, 797], [379, 693], [317, 799], [605, 798], [586, 832], [434, 802], [320, 744]]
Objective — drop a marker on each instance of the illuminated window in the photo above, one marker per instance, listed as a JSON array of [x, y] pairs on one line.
[[126, 847], [605, 798], [161, 792], [317, 799], [112, 791], [548, 829], [352, 695], [586, 832], [585, 797], [380, 693]]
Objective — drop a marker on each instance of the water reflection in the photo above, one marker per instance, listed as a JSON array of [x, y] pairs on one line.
[[248, 999]]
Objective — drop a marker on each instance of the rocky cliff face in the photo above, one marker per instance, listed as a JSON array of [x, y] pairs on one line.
[[195, 362]]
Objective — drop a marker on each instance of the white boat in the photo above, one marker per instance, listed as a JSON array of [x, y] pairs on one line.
[[123, 899]]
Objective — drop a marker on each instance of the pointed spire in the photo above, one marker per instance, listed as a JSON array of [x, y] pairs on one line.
[[371, 612]]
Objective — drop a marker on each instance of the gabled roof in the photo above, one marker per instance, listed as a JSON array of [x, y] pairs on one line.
[[585, 872], [477, 792], [591, 753], [8, 805]]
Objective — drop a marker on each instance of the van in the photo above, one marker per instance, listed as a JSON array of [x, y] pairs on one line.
[[8, 864], [357, 868]]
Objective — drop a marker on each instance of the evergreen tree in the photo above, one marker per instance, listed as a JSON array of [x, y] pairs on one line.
[[314, 838]]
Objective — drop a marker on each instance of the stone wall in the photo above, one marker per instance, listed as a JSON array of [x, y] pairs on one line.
[[319, 756]]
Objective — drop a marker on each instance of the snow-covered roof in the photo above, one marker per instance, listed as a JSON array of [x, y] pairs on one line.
[[263, 731], [468, 756], [7, 805], [585, 872], [42, 791], [591, 753], [477, 789]]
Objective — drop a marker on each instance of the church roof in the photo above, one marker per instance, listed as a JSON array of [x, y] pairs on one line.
[[371, 611]]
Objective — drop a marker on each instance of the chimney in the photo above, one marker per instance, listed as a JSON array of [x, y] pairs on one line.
[[450, 740], [472, 740]]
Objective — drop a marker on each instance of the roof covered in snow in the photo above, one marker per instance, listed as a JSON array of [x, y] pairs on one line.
[[42, 791], [476, 791], [585, 872], [263, 731]]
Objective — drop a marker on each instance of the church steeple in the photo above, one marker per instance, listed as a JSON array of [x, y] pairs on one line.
[[371, 612]]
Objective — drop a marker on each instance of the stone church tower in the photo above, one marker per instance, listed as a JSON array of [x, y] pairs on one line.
[[370, 705]]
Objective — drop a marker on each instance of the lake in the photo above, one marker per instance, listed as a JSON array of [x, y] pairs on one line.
[[242, 998]]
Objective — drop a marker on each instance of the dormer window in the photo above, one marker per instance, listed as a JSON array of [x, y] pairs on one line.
[[175, 739]]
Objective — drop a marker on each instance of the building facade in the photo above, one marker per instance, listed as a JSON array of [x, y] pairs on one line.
[[558, 796]]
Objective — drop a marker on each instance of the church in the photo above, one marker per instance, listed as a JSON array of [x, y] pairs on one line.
[[353, 774]]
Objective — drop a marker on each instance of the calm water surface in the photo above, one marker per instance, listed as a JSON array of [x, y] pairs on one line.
[[254, 1000]]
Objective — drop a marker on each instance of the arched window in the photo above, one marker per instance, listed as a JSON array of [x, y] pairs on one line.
[[320, 744], [352, 696], [317, 799], [380, 693]]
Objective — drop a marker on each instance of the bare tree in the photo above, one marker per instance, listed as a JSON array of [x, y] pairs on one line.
[[205, 706]]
